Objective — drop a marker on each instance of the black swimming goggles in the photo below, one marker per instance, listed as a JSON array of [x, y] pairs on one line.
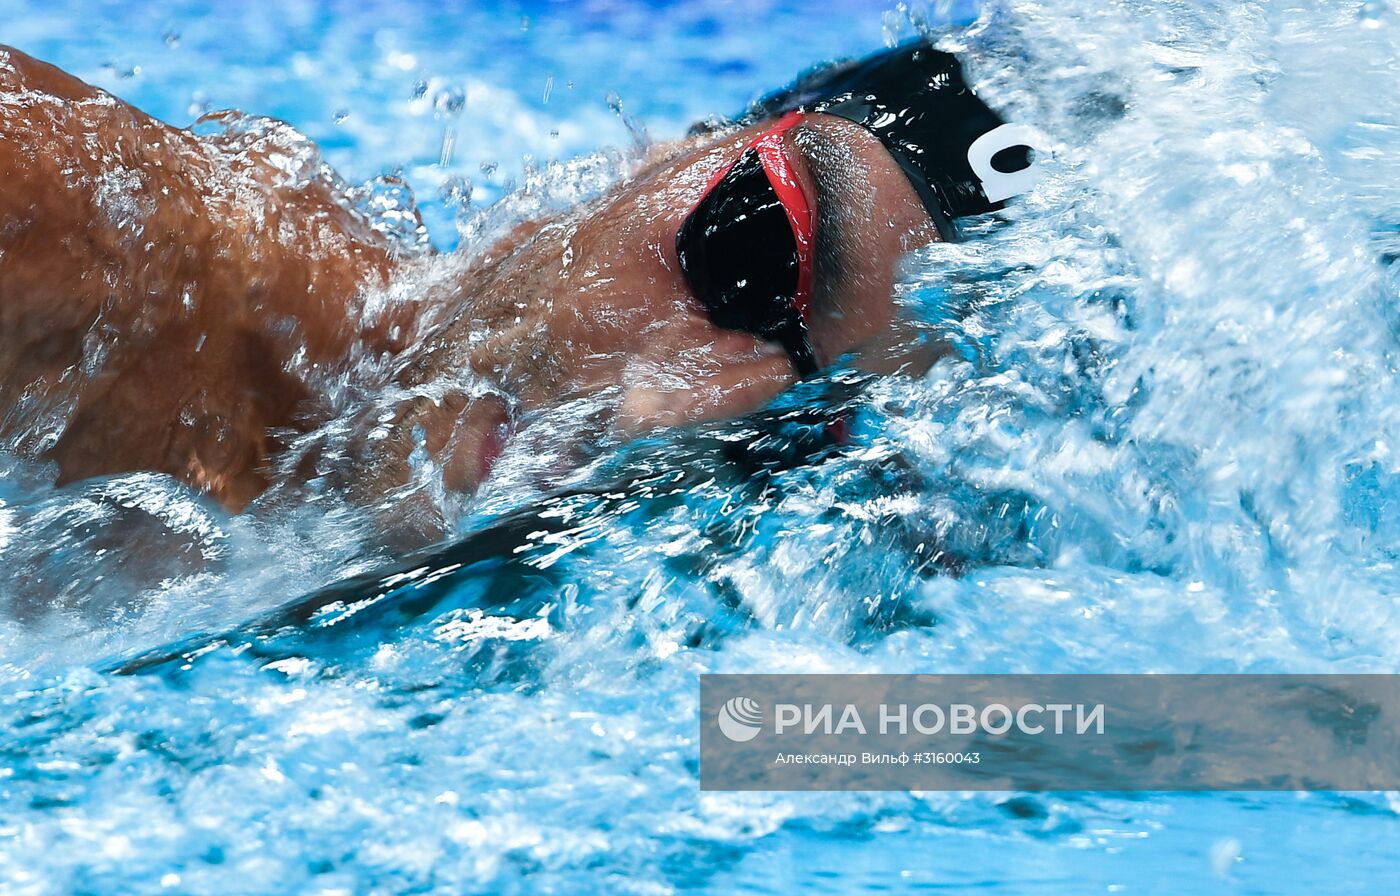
[[746, 249]]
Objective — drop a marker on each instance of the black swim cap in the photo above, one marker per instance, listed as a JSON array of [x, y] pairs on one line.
[[959, 155]]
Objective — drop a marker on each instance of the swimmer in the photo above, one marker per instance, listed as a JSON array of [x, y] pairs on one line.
[[180, 303]]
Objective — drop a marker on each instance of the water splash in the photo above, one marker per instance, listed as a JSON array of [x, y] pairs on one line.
[[1166, 442]]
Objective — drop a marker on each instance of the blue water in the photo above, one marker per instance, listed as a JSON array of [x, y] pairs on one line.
[[1170, 443]]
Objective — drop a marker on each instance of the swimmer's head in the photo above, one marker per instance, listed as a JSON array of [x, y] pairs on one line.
[[747, 248], [751, 255]]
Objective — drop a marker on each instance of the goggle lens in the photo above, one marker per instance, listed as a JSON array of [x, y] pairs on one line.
[[747, 253]]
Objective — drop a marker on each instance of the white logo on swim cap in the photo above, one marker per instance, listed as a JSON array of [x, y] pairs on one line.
[[999, 185], [740, 719]]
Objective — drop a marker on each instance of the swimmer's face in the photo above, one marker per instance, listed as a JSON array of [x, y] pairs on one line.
[[602, 305], [597, 304], [867, 216]]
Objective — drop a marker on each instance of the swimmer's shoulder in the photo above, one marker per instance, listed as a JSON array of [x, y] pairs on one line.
[[21, 73]]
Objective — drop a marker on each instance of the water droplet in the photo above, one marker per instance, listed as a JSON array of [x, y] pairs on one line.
[[171, 38], [199, 105], [449, 101], [388, 203], [634, 127], [456, 192], [125, 72], [449, 143]]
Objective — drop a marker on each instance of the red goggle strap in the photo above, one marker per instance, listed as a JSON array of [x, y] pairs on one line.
[[777, 165]]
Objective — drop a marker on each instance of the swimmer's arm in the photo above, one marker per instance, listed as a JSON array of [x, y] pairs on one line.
[[198, 270], [72, 161], [97, 196]]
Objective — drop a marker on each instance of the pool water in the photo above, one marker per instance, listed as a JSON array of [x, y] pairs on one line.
[[1169, 442]]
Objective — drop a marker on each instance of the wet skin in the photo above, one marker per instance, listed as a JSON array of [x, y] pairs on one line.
[[181, 303]]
